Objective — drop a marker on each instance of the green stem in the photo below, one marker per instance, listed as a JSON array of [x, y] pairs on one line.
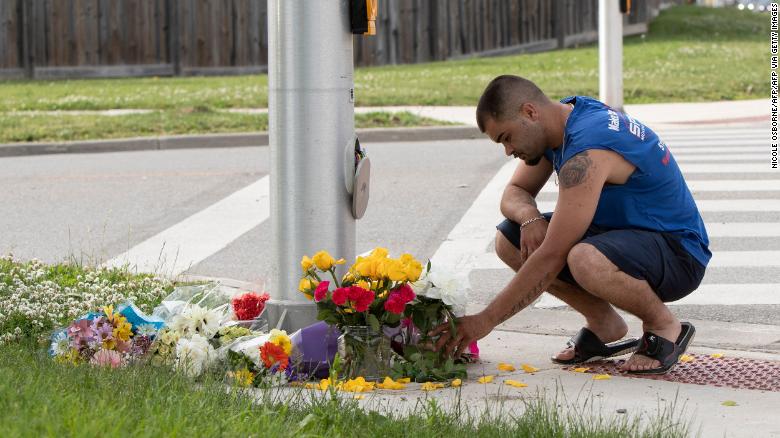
[[333, 274]]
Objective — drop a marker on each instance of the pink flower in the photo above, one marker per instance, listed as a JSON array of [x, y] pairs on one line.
[[404, 293], [81, 333], [474, 349], [322, 291], [394, 304], [339, 296], [398, 299], [109, 358], [364, 298]]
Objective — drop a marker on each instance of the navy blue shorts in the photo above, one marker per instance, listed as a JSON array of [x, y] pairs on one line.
[[659, 258]]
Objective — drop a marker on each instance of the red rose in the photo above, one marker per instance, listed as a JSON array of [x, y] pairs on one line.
[[322, 291], [364, 300], [339, 296], [404, 293], [394, 305]]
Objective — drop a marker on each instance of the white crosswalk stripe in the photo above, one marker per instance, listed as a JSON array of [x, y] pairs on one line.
[[701, 153]]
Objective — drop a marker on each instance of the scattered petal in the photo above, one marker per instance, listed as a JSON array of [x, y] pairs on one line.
[[729, 403], [580, 370], [529, 369], [430, 386], [359, 397], [485, 379], [455, 383], [404, 380], [602, 377], [515, 383], [687, 358], [389, 383], [717, 355], [506, 367]]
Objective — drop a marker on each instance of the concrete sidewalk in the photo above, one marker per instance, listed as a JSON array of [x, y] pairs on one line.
[[666, 115]]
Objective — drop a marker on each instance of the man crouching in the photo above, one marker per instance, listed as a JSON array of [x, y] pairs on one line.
[[625, 232]]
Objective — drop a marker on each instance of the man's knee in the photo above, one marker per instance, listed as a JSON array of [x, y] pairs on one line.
[[586, 263], [507, 252]]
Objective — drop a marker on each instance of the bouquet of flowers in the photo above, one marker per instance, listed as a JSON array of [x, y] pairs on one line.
[[103, 338], [372, 294], [261, 359], [381, 295]]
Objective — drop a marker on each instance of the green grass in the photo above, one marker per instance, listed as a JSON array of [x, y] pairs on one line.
[[41, 398], [689, 54], [20, 127]]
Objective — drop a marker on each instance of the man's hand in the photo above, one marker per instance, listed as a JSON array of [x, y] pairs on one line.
[[531, 238], [469, 329]]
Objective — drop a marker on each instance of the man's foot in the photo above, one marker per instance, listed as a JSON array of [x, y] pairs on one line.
[[639, 362], [607, 332]]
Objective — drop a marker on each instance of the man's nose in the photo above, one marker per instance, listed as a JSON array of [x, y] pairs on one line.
[[508, 150]]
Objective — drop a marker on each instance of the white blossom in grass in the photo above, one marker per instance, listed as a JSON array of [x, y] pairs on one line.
[[194, 355]]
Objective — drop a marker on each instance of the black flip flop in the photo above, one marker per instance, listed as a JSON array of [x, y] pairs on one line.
[[664, 350], [589, 348]]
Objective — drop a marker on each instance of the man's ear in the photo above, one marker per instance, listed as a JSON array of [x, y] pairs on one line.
[[530, 111]]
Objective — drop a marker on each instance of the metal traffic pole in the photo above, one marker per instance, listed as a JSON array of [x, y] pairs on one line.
[[311, 121], [611, 53]]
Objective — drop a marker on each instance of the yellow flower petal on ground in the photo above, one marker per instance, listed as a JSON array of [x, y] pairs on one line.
[[729, 403], [404, 380], [529, 369], [580, 370], [485, 379], [358, 384], [430, 386], [687, 358], [717, 355], [602, 377], [455, 383], [515, 383], [506, 367], [389, 383], [359, 397]]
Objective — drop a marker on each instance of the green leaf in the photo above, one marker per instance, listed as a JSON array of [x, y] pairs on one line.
[[373, 322]]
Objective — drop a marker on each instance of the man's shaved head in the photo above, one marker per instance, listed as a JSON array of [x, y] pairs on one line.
[[504, 96]]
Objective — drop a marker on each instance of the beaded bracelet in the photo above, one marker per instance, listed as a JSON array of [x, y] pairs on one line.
[[531, 221]]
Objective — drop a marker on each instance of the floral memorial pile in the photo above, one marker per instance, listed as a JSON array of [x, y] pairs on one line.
[[373, 330]]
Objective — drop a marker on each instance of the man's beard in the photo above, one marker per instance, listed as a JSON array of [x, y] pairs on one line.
[[533, 161]]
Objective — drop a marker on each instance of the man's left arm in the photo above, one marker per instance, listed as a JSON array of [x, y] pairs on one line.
[[581, 182]]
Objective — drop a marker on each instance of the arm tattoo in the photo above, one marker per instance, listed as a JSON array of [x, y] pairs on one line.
[[575, 170], [525, 302]]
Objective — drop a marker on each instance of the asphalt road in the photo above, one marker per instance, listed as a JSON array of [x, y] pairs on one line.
[[92, 207]]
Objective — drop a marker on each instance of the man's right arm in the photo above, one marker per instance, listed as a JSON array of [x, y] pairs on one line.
[[518, 202]]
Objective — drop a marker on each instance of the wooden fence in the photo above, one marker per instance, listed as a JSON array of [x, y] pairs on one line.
[[106, 38]]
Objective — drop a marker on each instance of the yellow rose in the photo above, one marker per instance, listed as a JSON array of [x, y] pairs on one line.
[[412, 268], [306, 264], [325, 261], [379, 252], [395, 270]]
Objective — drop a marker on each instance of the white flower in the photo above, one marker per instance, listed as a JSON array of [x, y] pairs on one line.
[[194, 355], [450, 287], [194, 319], [59, 344]]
